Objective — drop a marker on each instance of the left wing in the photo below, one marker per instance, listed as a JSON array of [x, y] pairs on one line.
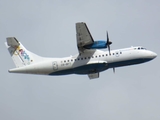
[[84, 37]]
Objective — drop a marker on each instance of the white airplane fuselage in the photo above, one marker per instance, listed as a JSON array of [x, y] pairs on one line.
[[91, 61]]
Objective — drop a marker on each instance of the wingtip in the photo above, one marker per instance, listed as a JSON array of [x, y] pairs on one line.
[[9, 71]]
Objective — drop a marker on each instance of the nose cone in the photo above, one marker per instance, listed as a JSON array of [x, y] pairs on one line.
[[150, 55], [153, 55]]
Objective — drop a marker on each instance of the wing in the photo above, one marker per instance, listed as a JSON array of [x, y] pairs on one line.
[[84, 37]]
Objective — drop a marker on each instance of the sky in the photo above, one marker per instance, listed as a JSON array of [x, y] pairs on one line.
[[47, 28]]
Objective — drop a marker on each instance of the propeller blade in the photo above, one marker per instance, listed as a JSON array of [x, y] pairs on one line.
[[107, 37], [108, 42], [109, 49], [113, 70]]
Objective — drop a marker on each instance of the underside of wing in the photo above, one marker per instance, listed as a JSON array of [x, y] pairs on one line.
[[84, 37]]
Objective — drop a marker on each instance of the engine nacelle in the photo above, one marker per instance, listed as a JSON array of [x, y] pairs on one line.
[[101, 44]]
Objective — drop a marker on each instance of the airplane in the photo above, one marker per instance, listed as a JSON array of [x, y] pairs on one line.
[[90, 60]]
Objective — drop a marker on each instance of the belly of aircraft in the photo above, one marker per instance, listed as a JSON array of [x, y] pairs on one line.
[[85, 69]]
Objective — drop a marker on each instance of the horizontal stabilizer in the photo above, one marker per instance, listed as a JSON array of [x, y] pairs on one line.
[[13, 42]]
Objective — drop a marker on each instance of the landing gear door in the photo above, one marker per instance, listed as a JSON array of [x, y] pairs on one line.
[[55, 65]]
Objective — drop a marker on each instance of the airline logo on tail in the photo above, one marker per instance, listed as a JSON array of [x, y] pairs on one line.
[[24, 54], [20, 55]]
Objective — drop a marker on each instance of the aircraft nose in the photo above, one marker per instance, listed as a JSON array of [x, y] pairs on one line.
[[153, 55]]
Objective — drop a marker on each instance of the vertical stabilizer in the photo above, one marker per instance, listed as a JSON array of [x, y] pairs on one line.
[[20, 55]]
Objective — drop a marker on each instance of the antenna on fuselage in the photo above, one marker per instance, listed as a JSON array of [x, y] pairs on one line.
[[113, 69]]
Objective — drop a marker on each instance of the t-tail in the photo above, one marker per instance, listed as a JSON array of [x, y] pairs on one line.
[[20, 55]]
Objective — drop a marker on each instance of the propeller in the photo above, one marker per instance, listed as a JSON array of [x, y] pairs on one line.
[[108, 43], [108, 46]]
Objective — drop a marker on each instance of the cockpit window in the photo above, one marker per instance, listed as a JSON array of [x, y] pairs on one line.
[[143, 48], [140, 48]]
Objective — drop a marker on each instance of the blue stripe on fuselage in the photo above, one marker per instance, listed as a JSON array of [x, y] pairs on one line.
[[128, 62], [85, 69], [93, 68]]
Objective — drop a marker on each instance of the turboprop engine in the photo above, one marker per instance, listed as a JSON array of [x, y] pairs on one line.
[[101, 44]]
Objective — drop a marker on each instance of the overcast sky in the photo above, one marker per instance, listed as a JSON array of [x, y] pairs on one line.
[[47, 28]]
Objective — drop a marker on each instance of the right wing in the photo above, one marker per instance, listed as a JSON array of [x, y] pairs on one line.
[[84, 37]]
